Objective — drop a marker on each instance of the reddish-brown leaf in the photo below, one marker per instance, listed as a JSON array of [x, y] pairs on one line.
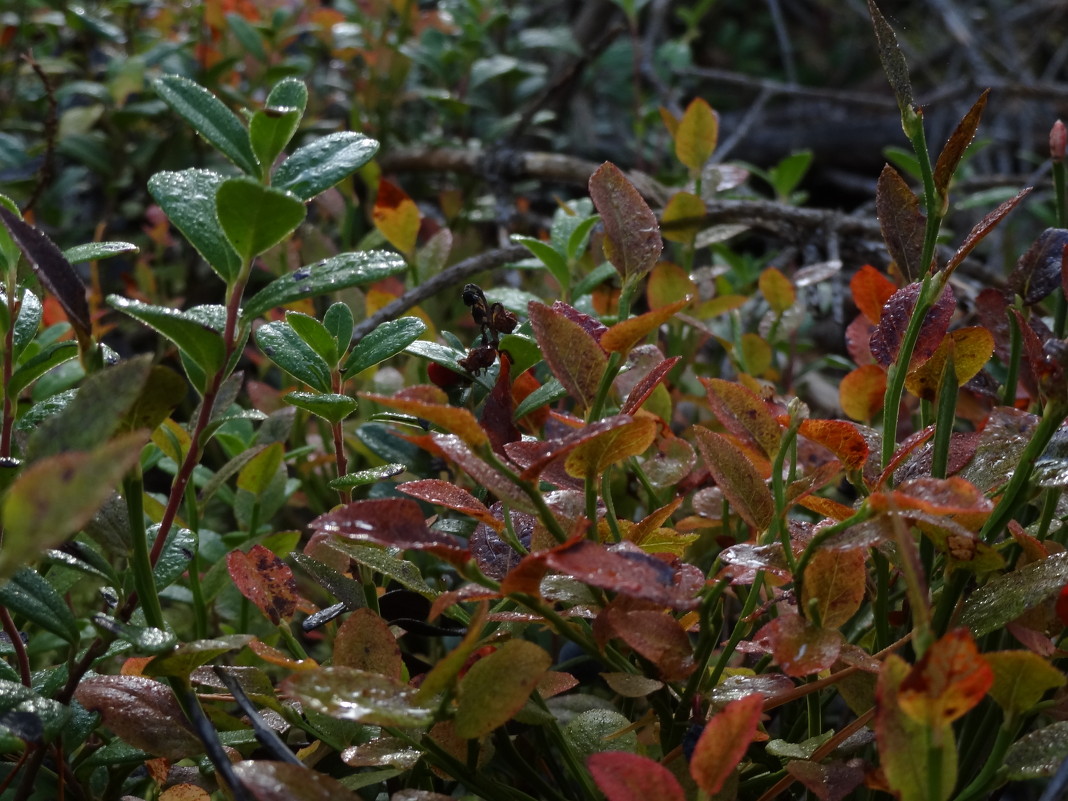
[[840, 437], [265, 580], [830, 781], [573, 355], [901, 221], [871, 289], [625, 334], [958, 142], [740, 481], [497, 410], [447, 494], [364, 641], [744, 560], [800, 648], [632, 235], [453, 419], [283, 781], [456, 450], [644, 388], [861, 392], [534, 457], [982, 228], [889, 334], [655, 635], [623, 776], [1038, 271], [724, 741], [950, 679], [744, 414], [952, 497], [835, 581]]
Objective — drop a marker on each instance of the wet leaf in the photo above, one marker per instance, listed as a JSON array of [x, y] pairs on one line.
[[632, 235], [497, 686], [573, 355], [953, 151], [365, 642], [394, 522], [1038, 755], [982, 228], [871, 290], [1004, 598], [744, 414], [861, 392], [835, 582], [902, 222], [594, 456], [186, 329], [630, 777], [830, 781], [668, 283], [209, 118], [382, 751], [1000, 446], [724, 741], [283, 781], [777, 290], [444, 493], [255, 217], [952, 497], [656, 636], [893, 61], [189, 656], [323, 162], [266, 581], [497, 412], [841, 438], [455, 449], [453, 419], [971, 349], [743, 486], [188, 200], [643, 390], [386, 340], [350, 694], [745, 559], [800, 648], [1038, 272], [950, 679], [1021, 678], [631, 685], [143, 712], [330, 406], [889, 334], [396, 217], [29, 594], [672, 462], [624, 335]]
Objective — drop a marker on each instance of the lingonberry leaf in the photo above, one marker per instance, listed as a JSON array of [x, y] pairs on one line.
[[982, 228], [386, 340], [573, 355], [265, 580], [632, 234], [622, 776], [696, 135], [210, 118], [834, 583], [723, 742], [971, 349], [861, 392], [594, 455], [323, 162], [497, 686], [953, 151], [871, 290], [777, 289], [890, 332], [840, 437], [255, 217], [951, 678], [29, 594], [744, 414], [186, 329], [740, 481], [453, 419], [625, 334], [331, 406], [286, 348], [364, 641], [901, 221], [357, 695], [447, 494], [1021, 678], [799, 647], [396, 217]]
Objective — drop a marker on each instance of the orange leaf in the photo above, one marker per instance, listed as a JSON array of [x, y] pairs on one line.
[[696, 136], [668, 283], [265, 580], [622, 776], [396, 216], [451, 418], [861, 392], [722, 744], [736, 476], [624, 335], [950, 679], [841, 438], [834, 580], [777, 290], [444, 493], [364, 641], [871, 289], [744, 414], [971, 348], [826, 507], [594, 456], [799, 647]]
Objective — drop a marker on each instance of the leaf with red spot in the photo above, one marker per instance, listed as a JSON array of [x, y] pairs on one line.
[[453, 419], [800, 648], [444, 493], [982, 228], [953, 151], [623, 776], [971, 349], [723, 742], [396, 216], [632, 235], [625, 334], [744, 414], [841, 438], [265, 580], [365, 642], [950, 679], [871, 290], [901, 221], [573, 355], [740, 481], [656, 636], [889, 334], [394, 522], [861, 392], [834, 583]]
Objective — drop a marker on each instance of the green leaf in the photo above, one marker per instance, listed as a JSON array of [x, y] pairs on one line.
[[329, 275], [14, 697], [200, 342], [403, 571], [39, 364], [247, 35], [317, 166], [27, 321], [210, 118], [580, 236], [338, 321], [549, 392], [29, 595], [162, 391], [549, 256], [145, 639], [330, 406], [187, 657], [288, 93], [1039, 754], [368, 476], [188, 200], [351, 694], [1006, 597], [256, 476], [35, 522], [387, 340], [270, 130], [315, 335], [255, 217], [94, 251], [9, 251], [283, 346], [497, 686], [177, 551]]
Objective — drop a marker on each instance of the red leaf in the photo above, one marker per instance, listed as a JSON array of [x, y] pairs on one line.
[[655, 635], [1038, 272], [950, 679], [871, 289], [982, 228], [622, 776], [497, 411], [800, 648], [901, 221], [958, 142], [444, 493], [632, 235], [889, 334], [265, 580], [644, 388], [861, 392], [534, 458], [742, 485], [396, 522], [724, 741], [858, 338], [744, 414]]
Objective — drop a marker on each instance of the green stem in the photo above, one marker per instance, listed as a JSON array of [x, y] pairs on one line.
[[140, 563], [944, 419], [983, 783], [741, 628], [532, 492], [1012, 372], [610, 506]]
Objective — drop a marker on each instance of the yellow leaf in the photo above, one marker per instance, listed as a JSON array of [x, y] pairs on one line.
[[696, 136]]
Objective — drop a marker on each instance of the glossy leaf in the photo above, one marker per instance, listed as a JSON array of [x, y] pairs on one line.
[[444, 493], [95, 251], [983, 227], [723, 742], [696, 135], [953, 151], [338, 321], [285, 347], [497, 686], [777, 290], [630, 777], [315, 334], [1007, 596], [901, 221], [350, 694], [368, 476], [270, 130], [453, 419], [315, 167], [188, 200], [594, 456], [835, 584], [971, 348], [632, 234], [742, 485], [202, 343], [744, 414], [840, 437], [871, 290], [386, 340], [1021, 678], [34, 522], [656, 636], [573, 355], [258, 472], [330, 406], [1038, 272], [798, 646], [394, 522], [365, 642], [28, 594], [187, 657], [209, 118], [1039, 754], [396, 217], [284, 781], [53, 355], [266, 581], [329, 275], [255, 217], [644, 389], [889, 334], [951, 678], [861, 392]]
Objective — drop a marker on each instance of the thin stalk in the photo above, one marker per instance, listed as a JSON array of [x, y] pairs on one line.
[[144, 581], [17, 645], [1008, 397], [982, 784], [779, 528], [8, 368], [944, 419], [703, 650], [741, 628], [610, 506], [596, 409]]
